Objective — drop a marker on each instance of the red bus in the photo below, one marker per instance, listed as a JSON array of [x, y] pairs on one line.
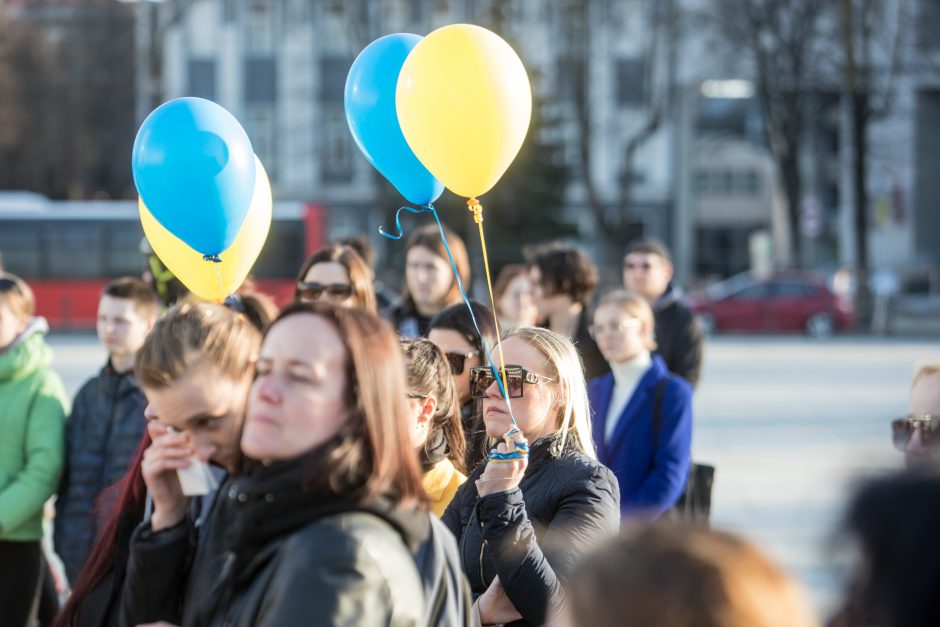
[[67, 251]]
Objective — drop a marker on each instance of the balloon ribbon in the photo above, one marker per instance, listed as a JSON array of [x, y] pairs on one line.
[[521, 449]]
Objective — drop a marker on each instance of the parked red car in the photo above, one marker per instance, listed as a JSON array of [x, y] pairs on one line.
[[780, 303]]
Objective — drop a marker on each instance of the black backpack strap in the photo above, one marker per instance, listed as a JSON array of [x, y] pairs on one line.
[[658, 408]]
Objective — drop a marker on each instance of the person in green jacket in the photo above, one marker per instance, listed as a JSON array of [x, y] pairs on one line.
[[33, 407]]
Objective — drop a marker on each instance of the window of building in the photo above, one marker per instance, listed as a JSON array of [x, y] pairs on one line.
[[260, 124], [337, 146], [260, 84], [747, 182], [229, 11], [202, 79], [701, 181], [631, 82], [333, 71], [260, 26]]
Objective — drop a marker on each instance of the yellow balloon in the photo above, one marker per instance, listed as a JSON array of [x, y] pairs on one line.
[[464, 104], [206, 279]]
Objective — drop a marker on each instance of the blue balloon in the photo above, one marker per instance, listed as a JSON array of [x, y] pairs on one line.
[[373, 119], [195, 170]]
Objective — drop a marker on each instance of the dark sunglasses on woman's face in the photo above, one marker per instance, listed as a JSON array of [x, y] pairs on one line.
[[458, 361], [902, 430], [514, 377], [7, 285], [311, 290]]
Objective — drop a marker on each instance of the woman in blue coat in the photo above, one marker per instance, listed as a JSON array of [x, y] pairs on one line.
[[651, 465]]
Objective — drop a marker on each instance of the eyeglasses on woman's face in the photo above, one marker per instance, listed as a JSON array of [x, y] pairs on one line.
[[903, 429], [618, 327], [458, 360]]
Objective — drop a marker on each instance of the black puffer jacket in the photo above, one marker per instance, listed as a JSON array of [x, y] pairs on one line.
[[535, 533], [101, 436]]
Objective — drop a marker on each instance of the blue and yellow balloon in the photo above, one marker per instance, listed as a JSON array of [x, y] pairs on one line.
[[195, 170], [371, 113], [207, 280], [464, 104]]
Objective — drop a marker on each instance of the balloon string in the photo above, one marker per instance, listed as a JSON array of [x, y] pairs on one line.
[[499, 374], [398, 230], [474, 205], [218, 273], [516, 450]]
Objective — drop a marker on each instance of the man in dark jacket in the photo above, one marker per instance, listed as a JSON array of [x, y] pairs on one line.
[[647, 270], [106, 423]]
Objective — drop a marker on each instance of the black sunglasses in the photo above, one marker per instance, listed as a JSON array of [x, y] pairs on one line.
[[513, 376], [902, 430], [7, 285], [312, 290], [458, 361]]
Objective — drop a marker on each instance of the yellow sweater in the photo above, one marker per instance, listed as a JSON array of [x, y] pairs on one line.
[[441, 483]]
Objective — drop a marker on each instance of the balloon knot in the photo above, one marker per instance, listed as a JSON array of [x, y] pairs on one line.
[[474, 205], [212, 258]]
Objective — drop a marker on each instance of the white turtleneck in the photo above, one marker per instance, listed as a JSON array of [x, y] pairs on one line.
[[627, 375]]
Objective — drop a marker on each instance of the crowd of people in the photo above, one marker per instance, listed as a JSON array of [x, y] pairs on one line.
[[359, 459]]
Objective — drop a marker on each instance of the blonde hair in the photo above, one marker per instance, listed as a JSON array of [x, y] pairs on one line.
[[925, 370], [574, 416], [19, 298], [191, 334], [635, 306], [663, 576]]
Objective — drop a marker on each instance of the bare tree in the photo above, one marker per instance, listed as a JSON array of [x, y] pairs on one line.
[[873, 36], [613, 217], [782, 41]]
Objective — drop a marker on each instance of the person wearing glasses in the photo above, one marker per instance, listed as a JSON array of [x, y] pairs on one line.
[[523, 523], [647, 270], [437, 434], [642, 414], [452, 330], [33, 407], [336, 274], [430, 284], [917, 434]]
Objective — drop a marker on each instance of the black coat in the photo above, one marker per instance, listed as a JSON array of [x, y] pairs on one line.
[[535, 533], [101, 436], [679, 336], [272, 554], [591, 357]]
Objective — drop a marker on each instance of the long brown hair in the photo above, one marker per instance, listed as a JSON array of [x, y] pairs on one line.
[[360, 274], [428, 374], [128, 509], [369, 459], [429, 237]]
